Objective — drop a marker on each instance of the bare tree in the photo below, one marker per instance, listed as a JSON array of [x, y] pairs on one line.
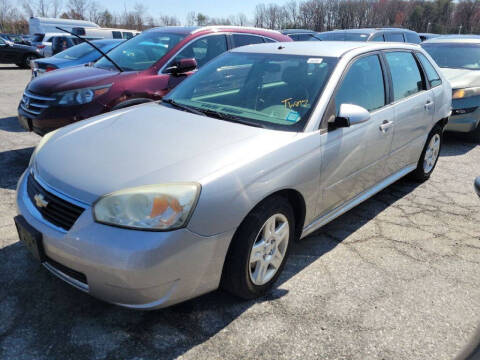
[[77, 9]]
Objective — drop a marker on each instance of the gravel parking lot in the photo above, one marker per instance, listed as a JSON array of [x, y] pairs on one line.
[[395, 278]]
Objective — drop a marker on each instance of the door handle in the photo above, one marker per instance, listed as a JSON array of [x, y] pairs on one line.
[[428, 105], [386, 125]]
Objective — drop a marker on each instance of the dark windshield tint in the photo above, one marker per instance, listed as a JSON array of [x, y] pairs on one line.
[[142, 51], [455, 55], [275, 91]]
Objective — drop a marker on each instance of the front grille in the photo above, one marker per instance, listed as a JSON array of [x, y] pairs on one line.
[[55, 210], [35, 104]]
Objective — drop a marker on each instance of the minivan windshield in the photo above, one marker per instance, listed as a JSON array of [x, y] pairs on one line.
[[267, 90], [141, 52], [455, 55]]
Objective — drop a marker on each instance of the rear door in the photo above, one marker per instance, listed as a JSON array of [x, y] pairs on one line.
[[354, 157], [414, 108]]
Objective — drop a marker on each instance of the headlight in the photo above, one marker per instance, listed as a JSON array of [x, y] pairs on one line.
[[464, 93], [42, 142], [81, 96], [151, 207]]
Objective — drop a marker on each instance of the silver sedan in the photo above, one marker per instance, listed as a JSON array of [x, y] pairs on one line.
[[155, 204]]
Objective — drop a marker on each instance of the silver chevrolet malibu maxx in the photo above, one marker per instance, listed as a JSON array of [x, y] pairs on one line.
[[155, 204]]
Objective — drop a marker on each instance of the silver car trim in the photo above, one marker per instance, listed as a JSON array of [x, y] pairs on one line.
[[61, 275], [35, 112], [59, 194], [38, 97], [325, 219]]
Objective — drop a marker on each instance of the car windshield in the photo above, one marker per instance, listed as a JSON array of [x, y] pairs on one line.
[[455, 55], [38, 37], [141, 52], [77, 52], [267, 90]]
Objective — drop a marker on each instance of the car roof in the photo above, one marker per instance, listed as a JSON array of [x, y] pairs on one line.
[[472, 39], [187, 30], [297, 31], [373, 30], [322, 48]]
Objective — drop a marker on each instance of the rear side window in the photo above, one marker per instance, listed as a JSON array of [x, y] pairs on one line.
[[363, 85], [378, 37], [395, 37], [117, 34], [406, 77], [301, 37], [412, 38], [432, 75], [242, 40]]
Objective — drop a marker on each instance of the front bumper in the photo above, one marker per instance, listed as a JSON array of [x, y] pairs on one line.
[[135, 269], [52, 118], [465, 115]]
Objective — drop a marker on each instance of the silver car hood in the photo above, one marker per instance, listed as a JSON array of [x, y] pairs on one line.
[[462, 78], [147, 144]]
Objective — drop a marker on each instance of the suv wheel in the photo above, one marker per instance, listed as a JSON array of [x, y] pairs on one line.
[[428, 159], [259, 249]]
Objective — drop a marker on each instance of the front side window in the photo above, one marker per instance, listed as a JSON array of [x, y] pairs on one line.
[[413, 38], [432, 75], [269, 90], [363, 85], [406, 77], [204, 49], [242, 40], [116, 34], [127, 35], [455, 55], [141, 52]]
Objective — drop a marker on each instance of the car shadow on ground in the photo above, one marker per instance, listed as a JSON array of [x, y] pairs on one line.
[[50, 317], [11, 68], [463, 144], [10, 124], [13, 163]]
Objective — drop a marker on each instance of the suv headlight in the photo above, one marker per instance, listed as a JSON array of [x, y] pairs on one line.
[[81, 96], [464, 93], [152, 207]]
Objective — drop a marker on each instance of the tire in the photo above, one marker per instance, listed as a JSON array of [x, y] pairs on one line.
[[131, 102], [430, 154], [250, 256], [25, 64]]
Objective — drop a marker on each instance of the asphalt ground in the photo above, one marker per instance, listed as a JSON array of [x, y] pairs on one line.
[[395, 278]]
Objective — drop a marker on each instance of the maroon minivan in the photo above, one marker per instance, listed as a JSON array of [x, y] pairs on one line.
[[149, 66]]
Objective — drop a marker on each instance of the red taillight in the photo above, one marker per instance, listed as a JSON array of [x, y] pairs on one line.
[[50, 68], [40, 46]]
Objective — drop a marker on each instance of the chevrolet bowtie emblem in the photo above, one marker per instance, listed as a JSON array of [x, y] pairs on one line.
[[40, 201]]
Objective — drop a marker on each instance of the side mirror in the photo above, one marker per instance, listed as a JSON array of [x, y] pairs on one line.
[[182, 66], [350, 115]]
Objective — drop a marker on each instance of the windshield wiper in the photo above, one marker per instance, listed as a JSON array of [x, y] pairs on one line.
[[95, 47], [230, 117], [183, 107]]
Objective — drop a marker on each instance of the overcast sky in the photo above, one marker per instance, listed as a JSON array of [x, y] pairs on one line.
[[180, 8]]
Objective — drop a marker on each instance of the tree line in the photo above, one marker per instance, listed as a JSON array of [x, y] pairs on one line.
[[438, 16]]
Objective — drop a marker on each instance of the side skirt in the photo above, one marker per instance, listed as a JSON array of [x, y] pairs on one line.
[[333, 214]]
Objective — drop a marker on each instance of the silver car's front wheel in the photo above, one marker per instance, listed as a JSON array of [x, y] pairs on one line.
[[269, 249], [259, 248]]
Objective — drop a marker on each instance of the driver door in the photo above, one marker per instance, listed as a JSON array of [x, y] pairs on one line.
[[354, 157]]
